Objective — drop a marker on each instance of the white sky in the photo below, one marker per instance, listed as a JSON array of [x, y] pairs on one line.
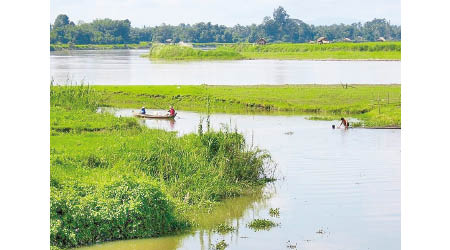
[[227, 12]]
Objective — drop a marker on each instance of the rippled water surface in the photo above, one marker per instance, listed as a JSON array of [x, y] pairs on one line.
[[126, 67], [344, 183]]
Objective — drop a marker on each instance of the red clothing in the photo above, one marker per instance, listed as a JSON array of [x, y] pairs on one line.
[[172, 112]]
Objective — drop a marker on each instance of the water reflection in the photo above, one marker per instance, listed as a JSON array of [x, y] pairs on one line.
[[232, 211]]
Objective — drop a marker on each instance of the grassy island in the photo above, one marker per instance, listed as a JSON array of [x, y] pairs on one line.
[[374, 105], [299, 51]]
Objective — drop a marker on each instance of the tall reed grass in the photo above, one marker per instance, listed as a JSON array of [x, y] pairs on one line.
[[73, 96]]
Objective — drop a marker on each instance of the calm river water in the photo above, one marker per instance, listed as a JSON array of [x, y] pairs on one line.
[[126, 67], [344, 183]]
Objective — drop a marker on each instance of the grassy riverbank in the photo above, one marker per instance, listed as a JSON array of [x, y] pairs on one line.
[[374, 105], [333, 51], [141, 45], [299, 51], [112, 179], [176, 52]]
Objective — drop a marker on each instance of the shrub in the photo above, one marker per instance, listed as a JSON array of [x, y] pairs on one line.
[[83, 214]]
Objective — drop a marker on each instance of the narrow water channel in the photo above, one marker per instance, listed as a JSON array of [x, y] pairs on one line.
[[340, 189]]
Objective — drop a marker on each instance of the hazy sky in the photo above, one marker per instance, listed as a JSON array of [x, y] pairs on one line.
[[227, 12]]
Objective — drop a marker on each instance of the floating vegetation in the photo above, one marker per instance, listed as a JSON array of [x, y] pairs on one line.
[[322, 231], [291, 245], [261, 224], [224, 228], [219, 246], [274, 212]]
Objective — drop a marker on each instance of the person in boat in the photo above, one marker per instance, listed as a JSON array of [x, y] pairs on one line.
[[171, 111], [143, 110], [344, 122]]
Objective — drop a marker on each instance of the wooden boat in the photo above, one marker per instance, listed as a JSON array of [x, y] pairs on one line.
[[149, 116]]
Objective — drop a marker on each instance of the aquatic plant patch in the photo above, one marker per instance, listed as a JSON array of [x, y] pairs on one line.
[[261, 224]]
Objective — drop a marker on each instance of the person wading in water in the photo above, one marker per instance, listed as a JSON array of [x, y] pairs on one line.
[[344, 122]]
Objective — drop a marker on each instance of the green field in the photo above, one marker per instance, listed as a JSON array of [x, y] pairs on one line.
[[299, 51], [112, 179], [374, 105]]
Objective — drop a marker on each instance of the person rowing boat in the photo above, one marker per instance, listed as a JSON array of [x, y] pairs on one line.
[[171, 111]]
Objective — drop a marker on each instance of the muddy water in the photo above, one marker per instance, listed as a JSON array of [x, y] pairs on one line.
[[344, 183], [126, 67]]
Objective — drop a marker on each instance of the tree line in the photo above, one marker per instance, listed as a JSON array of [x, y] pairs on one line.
[[278, 28]]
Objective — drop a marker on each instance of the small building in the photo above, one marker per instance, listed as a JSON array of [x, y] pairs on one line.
[[347, 40], [381, 39], [322, 40], [169, 41], [261, 41]]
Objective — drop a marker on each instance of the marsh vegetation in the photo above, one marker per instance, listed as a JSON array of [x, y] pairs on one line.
[[113, 179]]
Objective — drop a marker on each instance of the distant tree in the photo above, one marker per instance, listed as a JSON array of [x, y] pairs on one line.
[[277, 28], [280, 16], [61, 21]]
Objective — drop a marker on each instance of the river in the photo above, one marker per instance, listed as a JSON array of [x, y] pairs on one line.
[[337, 189], [126, 67]]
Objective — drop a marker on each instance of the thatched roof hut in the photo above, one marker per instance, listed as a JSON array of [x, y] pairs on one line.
[[322, 40], [261, 41], [381, 39]]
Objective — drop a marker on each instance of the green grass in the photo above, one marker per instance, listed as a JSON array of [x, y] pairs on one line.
[[141, 45], [175, 52], [300, 51], [306, 47], [111, 179], [327, 102], [333, 51]]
